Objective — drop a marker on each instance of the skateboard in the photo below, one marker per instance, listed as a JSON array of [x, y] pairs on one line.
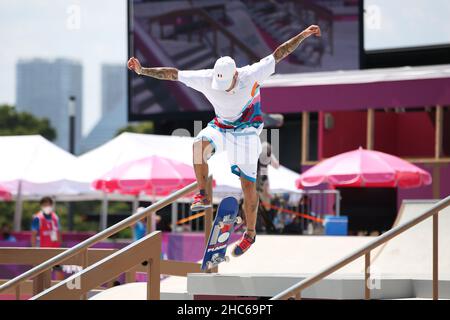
[[226, 219]]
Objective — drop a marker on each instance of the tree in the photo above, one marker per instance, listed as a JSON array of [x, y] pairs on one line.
[[142, 127], [13, 122]]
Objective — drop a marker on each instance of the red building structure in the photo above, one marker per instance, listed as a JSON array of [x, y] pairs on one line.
[[402, 111]]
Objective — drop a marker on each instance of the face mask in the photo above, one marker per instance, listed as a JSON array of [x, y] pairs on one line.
[[47, 210]]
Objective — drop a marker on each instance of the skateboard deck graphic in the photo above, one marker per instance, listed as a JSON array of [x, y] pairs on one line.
[[221, 231]]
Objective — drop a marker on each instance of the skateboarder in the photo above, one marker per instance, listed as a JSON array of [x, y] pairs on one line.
[[234, 94]]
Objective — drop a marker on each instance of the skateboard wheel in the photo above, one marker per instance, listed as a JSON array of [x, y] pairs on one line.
[[238, 220], [221, 224], [227, 259], [209, 265]]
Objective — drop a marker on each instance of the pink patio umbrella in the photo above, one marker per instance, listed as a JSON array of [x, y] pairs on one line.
[[152, 175], [5, 195], [365, 168]]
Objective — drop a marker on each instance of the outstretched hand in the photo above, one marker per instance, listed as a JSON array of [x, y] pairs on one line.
[[286, 48], [313, 30], [134, 64]]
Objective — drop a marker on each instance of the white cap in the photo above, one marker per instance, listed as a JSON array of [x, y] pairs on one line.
[[224, 71]]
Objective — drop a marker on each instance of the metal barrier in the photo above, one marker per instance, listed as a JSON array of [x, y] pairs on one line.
[[296, 290], [147, 249], [82, 247], [35, 256]]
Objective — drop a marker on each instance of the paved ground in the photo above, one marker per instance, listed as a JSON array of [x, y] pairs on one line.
[[407, 256]]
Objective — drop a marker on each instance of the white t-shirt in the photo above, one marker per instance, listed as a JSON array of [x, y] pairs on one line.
[[230, 105]]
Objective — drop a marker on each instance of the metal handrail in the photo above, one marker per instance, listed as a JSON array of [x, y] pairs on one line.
[[58, 259], [146, 249], [34, 256], [297, 288]]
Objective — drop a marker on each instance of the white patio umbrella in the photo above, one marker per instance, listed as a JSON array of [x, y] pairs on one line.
[[33, 166], [133, 146]]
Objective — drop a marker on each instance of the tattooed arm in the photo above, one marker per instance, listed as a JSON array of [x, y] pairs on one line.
[[158, 73], [289, 46]]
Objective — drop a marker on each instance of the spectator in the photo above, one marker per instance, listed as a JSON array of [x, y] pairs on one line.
[[304, 206], [6, 233], [45, 230], [266, 215], [281, 219], [139, 228], [45, 226], [266, 158], [293, 226]]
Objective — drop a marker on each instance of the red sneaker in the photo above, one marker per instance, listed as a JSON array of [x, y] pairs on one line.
[[200, 203], [245, 243]]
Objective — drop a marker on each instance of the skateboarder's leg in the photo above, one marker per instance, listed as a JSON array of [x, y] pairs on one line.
[[202, 151], [243, 153], [207, 143], [244, 162], [250, 205]]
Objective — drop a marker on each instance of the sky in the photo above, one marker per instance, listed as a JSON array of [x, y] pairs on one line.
[[406, 23], [90, 31]]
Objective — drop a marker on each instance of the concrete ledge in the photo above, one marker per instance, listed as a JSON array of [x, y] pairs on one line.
[[138, 291], [423, 288], [338, 287]]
